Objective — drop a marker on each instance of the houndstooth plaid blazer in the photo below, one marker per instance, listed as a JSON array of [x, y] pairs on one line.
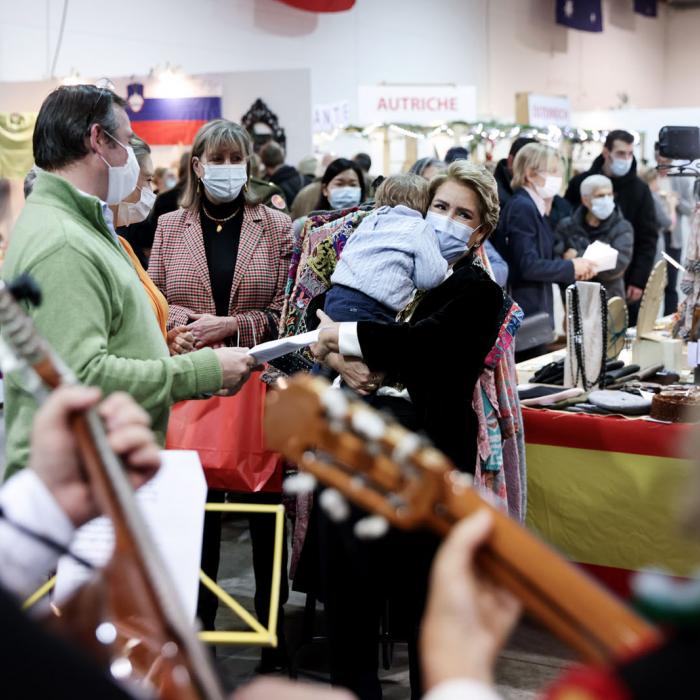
[[178, 266]]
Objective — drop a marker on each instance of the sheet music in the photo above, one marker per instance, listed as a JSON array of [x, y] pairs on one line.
[[173, 506]]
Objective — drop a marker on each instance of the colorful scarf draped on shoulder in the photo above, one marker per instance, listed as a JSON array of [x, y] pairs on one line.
[[501, 469]]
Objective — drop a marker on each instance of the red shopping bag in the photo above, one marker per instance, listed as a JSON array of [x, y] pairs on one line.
[[227, 432]]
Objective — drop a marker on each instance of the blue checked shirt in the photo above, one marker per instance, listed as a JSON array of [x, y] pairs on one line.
[[393, 252]]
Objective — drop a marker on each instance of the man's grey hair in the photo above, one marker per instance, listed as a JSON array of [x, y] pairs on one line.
[[593, 183]]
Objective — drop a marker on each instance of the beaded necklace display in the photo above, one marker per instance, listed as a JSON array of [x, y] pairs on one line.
[[576, 338]]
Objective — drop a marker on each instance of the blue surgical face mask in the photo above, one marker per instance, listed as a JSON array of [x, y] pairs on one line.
[[344, 197], [620, 166], [453, 237]]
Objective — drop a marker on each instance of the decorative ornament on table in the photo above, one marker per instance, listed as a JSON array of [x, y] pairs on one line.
[[587, 335]]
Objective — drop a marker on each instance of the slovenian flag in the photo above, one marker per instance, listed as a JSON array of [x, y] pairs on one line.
[[586, 15], [169, 120]]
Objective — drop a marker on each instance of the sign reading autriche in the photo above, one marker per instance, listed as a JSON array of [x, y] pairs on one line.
[[416, 104]]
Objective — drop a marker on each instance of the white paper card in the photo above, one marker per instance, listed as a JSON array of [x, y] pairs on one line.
[[693, 354], [603, 255], [173, 507], [276, 348]]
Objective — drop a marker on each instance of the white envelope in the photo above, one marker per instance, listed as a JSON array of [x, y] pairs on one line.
[[276, 348], [603, 255]]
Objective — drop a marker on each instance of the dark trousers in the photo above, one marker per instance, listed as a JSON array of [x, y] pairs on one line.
[[671, 293], [262, 536], [347, 304], [358, 579]]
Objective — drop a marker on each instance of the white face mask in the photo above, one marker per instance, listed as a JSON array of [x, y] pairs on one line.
[[552, 186], [224, 182], [122, 178], [133, 212], [453, 237], [169, 182], [603, 207], [619, 167]]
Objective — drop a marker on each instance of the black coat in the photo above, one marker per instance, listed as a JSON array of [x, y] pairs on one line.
[[440, 354], [503, 177], [37, 664], [526, 242], [633, 196], [289, 181]]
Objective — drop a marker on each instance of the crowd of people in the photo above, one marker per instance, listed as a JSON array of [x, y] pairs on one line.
[[156, 284]]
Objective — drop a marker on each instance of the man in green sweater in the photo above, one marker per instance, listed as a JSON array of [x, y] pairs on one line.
[[95, 313]]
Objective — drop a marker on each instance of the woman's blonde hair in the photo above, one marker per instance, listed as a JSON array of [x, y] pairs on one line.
[[534, 156], [477, 179], [214, 136]]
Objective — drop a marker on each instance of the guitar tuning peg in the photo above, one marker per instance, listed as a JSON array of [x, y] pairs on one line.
[[335, 403], [371, 528], [334, 505], [299, 484], [368, 424], [406, 446]]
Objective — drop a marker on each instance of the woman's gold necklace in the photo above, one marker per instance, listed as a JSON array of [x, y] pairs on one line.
[[219, 222]]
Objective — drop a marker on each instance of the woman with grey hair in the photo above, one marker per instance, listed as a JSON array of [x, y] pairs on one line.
[[428, 167], [598, 219]]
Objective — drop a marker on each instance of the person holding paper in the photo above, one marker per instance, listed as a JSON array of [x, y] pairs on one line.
[[525, 239], [598, 219], [439, 356]]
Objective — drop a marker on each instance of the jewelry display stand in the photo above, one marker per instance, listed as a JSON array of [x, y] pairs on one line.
[[586, 335], [652, 347]]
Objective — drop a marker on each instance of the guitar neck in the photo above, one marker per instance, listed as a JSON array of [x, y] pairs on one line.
[[107, 477], [565, 599]]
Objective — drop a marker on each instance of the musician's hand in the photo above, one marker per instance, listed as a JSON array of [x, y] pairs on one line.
[[327, 337], [468, 619], [54, 455], [265, 688]]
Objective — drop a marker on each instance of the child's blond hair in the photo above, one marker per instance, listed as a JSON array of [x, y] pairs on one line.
[[409, 190]]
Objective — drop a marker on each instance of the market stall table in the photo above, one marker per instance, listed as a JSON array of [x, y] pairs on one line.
[[606, 491]]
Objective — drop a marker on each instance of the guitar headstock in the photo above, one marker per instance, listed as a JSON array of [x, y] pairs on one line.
[[361, 453]]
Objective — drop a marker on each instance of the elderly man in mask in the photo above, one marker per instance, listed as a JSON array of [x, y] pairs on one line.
[[598, 218]]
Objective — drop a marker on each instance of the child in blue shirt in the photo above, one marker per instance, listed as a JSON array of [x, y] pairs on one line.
[[393, 252]]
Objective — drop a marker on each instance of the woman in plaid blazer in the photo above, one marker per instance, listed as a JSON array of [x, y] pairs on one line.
[[222, 261], [181, 256]]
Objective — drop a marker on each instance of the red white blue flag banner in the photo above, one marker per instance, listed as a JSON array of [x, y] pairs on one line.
[[163, 119]]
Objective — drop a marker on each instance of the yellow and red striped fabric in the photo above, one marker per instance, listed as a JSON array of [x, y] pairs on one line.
[[605, 491]]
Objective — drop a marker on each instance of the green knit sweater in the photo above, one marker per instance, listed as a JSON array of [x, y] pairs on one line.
[[95, 314]]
